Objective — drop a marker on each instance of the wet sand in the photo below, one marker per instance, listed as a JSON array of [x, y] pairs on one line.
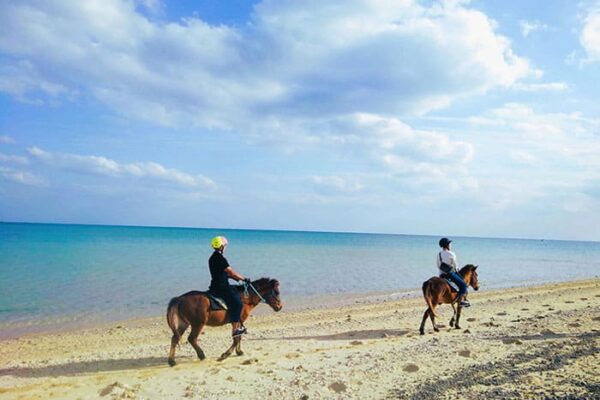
[[534, 343]]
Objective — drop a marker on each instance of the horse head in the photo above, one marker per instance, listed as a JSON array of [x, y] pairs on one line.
[[269, 291], [469, 274]]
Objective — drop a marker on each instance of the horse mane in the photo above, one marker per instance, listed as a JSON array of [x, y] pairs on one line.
[[467, 268], [262, 282]]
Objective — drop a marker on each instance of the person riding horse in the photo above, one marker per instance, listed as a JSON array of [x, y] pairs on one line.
[[448, 266], [220, 272]]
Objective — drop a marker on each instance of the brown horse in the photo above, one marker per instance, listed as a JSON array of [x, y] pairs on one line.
[[437, 291], [193, 308]]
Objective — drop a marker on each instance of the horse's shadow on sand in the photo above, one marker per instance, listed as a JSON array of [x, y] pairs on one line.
[[84, 367], [350, 335], [91, 367]]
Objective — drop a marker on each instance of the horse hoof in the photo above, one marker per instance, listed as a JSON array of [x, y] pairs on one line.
[[458, 327], [239, 353], [201, 356], [172, 362], [421, 332], [436, 329]]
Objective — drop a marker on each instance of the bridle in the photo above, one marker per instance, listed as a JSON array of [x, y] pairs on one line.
[[271, 294], [473, 277]]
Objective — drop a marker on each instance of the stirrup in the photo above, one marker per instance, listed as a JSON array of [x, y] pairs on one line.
[[465, 303], [239, 331]]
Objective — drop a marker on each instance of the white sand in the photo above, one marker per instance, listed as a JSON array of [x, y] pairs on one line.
[[526, 342]]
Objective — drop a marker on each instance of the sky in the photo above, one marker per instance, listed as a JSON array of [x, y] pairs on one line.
[[458, 118]]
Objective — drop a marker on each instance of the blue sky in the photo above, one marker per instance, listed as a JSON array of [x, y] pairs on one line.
[[477, 118]]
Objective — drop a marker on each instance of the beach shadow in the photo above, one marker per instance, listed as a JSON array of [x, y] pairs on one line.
[[350, 335], [547, 334], [84, 367], [513, 370]]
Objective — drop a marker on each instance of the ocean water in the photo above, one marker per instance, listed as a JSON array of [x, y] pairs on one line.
[[55, 275]]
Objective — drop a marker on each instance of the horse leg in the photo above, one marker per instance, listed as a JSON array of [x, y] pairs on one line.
[[193, 337], [458, 310], [238, 347], [432, 316], [422, 327], [175, 341], [234, 344], [453, 315]]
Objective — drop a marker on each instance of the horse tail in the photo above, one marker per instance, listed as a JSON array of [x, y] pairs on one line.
[[173, 315], [427, 295]]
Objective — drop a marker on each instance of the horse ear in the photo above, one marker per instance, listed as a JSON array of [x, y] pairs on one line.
[[475, 268]]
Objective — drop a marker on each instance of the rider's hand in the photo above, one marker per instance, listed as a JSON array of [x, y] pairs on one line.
[[247, 280]]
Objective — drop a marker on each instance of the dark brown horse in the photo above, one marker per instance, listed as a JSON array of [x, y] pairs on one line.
[[193, 308], [437, 291]]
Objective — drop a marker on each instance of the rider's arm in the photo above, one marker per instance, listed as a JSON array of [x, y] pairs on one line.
[[453, 261], [233, 275]]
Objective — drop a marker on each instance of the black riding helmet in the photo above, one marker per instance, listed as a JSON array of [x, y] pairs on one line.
[[444, 242]]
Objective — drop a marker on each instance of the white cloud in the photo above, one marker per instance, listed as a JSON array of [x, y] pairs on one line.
[[539, 87], [590, 36], [23, 177], [571, 59], [504, 193], [337, 184], [6, 139], [550, 127], [417, 161], [12, 159], [523, 157], [153, 6], [392, 140], [107, 167], [580, 202], [531, 26], [25, 83], [531, 154], [342, 58]]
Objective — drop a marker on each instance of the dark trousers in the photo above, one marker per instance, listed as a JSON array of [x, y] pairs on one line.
[[456, 278], [233, 301]]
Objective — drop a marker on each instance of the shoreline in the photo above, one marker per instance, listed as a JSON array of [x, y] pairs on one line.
[[529, 342], [66, 323]]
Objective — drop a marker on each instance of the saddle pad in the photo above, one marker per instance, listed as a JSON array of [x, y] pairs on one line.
[[216, 303], [453, 285]]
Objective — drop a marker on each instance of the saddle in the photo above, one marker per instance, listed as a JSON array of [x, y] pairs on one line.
[[216, 303], [452, 285]]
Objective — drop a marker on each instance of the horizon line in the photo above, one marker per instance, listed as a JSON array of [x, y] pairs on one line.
[[291, 230]]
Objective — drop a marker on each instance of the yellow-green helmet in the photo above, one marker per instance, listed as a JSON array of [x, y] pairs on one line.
[[218, 241]]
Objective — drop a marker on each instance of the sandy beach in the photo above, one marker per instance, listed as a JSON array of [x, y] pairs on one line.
[[531, 342]]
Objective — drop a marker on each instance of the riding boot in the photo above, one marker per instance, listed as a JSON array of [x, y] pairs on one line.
[[239, 331], [463, 302]]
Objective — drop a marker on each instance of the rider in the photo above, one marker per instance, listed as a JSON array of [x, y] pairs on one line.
[[220, 272], [446, 263]]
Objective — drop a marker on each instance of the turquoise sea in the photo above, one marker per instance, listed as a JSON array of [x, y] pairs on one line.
[[55, 275]]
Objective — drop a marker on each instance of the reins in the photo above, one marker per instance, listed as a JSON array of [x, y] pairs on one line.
[[246, 284]]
